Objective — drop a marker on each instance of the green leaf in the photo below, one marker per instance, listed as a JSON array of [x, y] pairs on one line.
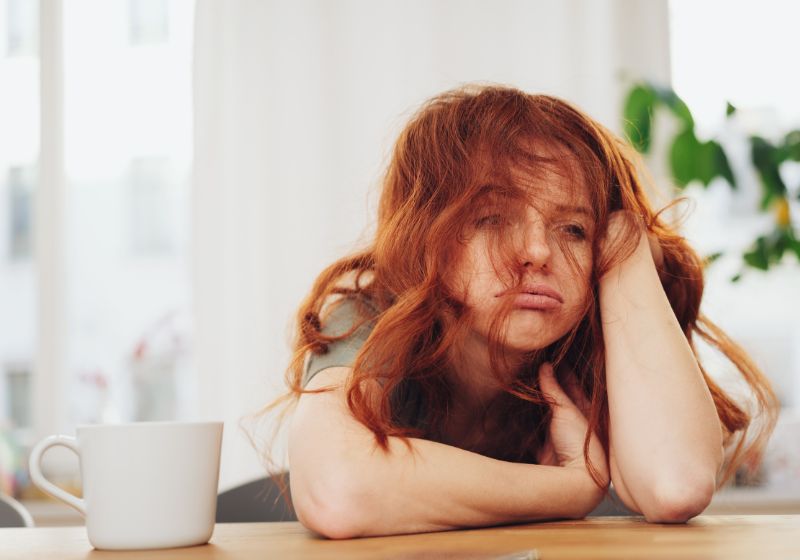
[[706, 162], [791, 144], [769, 249], [710, 259], [758, 257], [675, 104], [692, 160], [722, 166], [683, 156], [638, 115], [778, 246], [780, 154], [736, 277], [764, 159], [792, 243], [795, 248], [729, 109]]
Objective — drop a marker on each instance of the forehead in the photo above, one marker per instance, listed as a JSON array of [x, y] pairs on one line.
[[558, 184]]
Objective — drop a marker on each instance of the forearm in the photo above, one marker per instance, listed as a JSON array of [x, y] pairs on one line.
[[664, 430], [444, 487], [441, 487]]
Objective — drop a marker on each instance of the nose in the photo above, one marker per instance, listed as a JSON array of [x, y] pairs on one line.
[[535, 251]]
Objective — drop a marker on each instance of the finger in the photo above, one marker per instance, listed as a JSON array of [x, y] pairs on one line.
[[551, 387], [563, 407]]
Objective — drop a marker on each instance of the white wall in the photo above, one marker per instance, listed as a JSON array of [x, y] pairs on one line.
[[296, 107]]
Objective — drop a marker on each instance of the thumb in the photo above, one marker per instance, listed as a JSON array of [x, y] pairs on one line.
[[549, 384], [551, 387]]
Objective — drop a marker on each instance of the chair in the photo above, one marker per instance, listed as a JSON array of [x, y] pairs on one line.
[[13, 513], [257, 500]]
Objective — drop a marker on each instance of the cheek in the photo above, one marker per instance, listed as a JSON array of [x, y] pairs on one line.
[[468, 276], [582, 287], [584, 261], [577, 281], [460, 276]]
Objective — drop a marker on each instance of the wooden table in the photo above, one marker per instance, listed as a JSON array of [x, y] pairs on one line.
[[756, 537]]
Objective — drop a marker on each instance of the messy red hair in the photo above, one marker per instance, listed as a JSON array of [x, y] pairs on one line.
[[436, 179]]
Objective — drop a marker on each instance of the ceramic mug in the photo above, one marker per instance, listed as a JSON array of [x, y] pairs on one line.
[[145, 484]]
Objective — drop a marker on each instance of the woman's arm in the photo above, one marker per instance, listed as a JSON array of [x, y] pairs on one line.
[[665, 435], [344, 486]]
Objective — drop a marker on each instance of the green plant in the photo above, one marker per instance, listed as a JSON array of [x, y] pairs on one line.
[[691, 159]]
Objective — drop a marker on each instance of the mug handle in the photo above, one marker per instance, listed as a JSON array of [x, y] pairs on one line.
[[35, 465]]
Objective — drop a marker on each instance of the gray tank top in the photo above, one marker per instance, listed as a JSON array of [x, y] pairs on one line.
[[341, 353], [407, 405]]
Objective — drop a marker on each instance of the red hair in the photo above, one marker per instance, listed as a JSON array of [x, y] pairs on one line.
[[461, 147]]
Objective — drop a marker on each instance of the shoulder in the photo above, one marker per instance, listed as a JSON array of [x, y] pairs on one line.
[[341, 314], [349, 320]]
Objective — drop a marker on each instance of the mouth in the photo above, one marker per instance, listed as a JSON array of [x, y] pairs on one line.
[[537, 297]]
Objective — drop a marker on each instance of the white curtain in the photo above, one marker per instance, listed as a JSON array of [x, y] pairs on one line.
[[296, 107]]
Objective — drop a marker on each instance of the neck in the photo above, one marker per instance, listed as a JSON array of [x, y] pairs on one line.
[[474, 385]]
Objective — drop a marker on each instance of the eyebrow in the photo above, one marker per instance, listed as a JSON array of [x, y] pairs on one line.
[[565, 209], [492, 192]]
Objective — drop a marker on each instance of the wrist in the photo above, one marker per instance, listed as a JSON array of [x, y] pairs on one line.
[[587, 494], [642, 255]]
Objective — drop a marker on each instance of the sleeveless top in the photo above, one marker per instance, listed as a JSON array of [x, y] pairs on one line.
[[341, 353], [407, 403]]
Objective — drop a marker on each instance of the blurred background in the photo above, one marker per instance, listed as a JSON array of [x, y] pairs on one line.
[[174, 174]]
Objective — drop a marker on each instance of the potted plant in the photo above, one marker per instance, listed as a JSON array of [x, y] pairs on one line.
[[693, 160]]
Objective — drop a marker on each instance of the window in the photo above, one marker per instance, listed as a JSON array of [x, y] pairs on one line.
[[19, 152], [20, 183], [22, 28], [127, 158], [151, 206], [18, 396], [148, 21], [113, 297]]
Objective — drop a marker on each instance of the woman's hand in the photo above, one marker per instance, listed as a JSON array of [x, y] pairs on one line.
[[616, 223], [568, 427]]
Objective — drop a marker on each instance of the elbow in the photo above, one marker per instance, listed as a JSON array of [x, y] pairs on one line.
[[679, 501], [332, 511], [328, 523]]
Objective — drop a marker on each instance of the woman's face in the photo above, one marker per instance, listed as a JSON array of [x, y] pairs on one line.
[[550, 298]]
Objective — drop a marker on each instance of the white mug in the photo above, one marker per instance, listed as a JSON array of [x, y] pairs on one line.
[[145, 484]]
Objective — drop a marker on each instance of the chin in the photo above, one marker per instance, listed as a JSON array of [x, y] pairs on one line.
[[527, 343], [530, 340]]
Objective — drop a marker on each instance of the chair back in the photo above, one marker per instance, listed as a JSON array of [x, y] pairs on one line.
[[258, 500], [13, 513]]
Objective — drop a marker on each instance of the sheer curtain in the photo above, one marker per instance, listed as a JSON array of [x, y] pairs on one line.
[[296, 106]]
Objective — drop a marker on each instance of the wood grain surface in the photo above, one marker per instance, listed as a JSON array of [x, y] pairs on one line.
[[769, 537]]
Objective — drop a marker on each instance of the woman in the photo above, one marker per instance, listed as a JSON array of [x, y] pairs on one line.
[[518, 335]]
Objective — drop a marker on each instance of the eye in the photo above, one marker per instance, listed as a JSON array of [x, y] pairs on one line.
[[575, 230]]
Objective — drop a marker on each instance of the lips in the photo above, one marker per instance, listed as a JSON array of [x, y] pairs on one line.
[[534, 296]]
